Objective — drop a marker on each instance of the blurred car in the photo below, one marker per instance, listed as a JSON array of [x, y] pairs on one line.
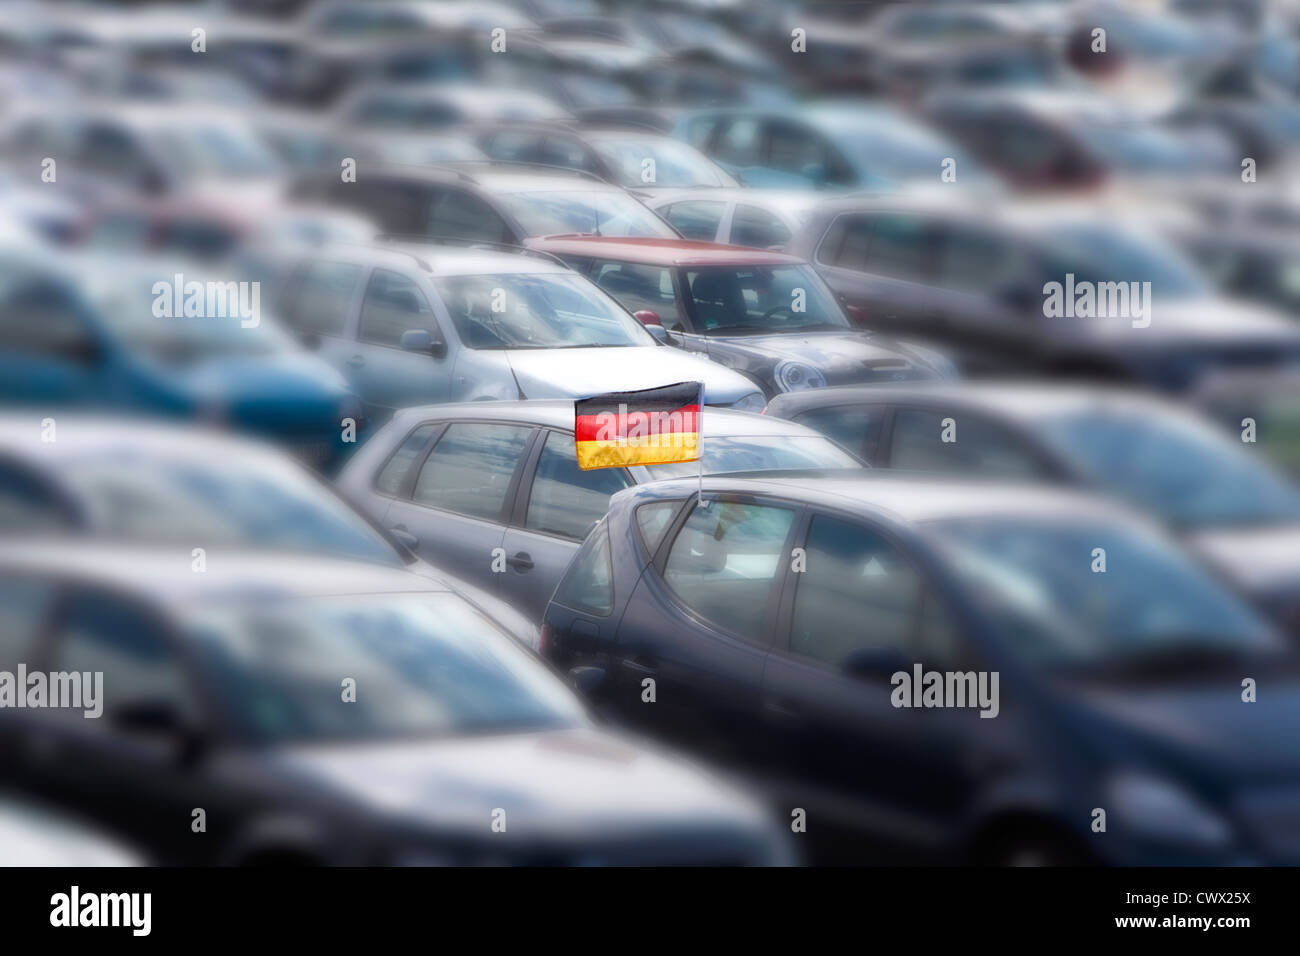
[[1061, 139], [149, 482], [833, 145], [33, 835], [432, 108], [761, 218], [765, 314], [640, 160], [1250, 262], [495, 203], [976, 278], [1230, 507], [1119, 690], [85, 335], [410, 324], [459, 482], [229, 690], [1270, 402]]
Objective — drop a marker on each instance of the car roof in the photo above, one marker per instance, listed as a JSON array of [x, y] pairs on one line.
[[786, 200], [903, 496], [558, 413], [497, 175], [1023, 401], [662, 252], [441, 259], [165, 575]]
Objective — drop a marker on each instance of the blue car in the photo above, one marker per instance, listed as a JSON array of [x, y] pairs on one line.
[[793, 626], [855, 145], [94, 339]]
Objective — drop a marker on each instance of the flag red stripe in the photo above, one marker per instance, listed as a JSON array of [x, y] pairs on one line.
[[588, 427]]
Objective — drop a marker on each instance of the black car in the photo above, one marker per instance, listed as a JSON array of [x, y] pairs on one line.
[[938, 668], [1058, 291], [327, 712], [1228, 506]]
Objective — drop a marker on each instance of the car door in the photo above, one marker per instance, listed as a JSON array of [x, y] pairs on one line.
[[699, 624], [385, 375], [49, 350], [130, 768], [884, 264], [557, 506], [461, 498], [860, 611], [959, 442]]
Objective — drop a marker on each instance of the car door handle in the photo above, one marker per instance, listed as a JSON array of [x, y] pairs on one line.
[[357, 361], [521, 562], [639, 665], [780, 708]]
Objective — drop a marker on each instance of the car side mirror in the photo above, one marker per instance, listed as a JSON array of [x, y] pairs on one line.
[[648, 318], [424, 341], [587, 680]]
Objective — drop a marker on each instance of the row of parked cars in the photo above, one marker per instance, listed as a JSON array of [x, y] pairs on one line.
[[352, 594]]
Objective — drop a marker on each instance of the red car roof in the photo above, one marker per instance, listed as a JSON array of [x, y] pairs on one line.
[[661, 252]]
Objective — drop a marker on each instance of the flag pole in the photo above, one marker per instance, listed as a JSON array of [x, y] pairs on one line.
[[699, 446]]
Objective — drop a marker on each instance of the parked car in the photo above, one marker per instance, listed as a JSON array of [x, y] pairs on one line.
[[1271, 403], [833, 145], [642, 161], [33, 835], [1255, 263], [165, 484], [493, 489], [503, 203], [411, 324], [765, 314], [789, 623], [990, 282], [229, 691], [1231, 508], [761, 218], [85, 335], [438, 107]]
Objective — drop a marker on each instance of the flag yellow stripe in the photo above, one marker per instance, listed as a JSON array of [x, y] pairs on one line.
[[680, 446]]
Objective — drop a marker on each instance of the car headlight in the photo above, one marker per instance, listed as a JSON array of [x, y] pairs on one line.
[[753, 402], [1164, 810], [795, 377]]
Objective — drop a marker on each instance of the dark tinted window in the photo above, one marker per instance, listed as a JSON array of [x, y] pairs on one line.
[[459, 215], [24, 604], [754, 226], [856, 427], [739, 143], [979, 446], [28, 505], [638, 287], [394, 473], [41, 318], [695, 219], [792, 148], [566, 500], [726, 560], [393, 304], [470, 468], [320, 297], [653, 519], [588, 585]]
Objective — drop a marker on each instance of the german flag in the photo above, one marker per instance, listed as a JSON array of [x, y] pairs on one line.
[[651, 426]]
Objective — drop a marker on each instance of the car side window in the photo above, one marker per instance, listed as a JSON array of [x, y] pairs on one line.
[[639, 287], [857, 593], [739, 143], [926, 440], [110, 151], [846, 243], [458, 214], [392, 477], [975, 260], [652, 520], [755, 226], [856, 427], [393, 304], [28, 505], [900, 246], [398, 207], [41, 318], [694, 218], [726, 561], [566, 500], [102, 633], [321, 295], [515, 145], [470, 469], [568, 152], [24, 606], [792, 147], [588, 584]]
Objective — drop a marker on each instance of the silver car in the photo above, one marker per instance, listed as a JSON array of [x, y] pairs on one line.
[[493, 489], [410, 324]]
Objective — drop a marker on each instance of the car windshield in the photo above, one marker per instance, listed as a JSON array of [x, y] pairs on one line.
[[1038, 580], [1178, 468], [220, 499], [151, 324], [602, 212], [1098, 253], [425, 666], [536, 312], [674, 164], [216, 150], [736, 299], [724, 454], [891, 149]]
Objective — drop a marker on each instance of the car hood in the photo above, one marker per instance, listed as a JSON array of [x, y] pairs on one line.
[[1262, 560], [576, 373], [555, 784], [845, 358]]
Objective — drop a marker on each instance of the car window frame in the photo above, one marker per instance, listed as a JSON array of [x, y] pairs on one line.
[[518, 516], [509, 503]]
